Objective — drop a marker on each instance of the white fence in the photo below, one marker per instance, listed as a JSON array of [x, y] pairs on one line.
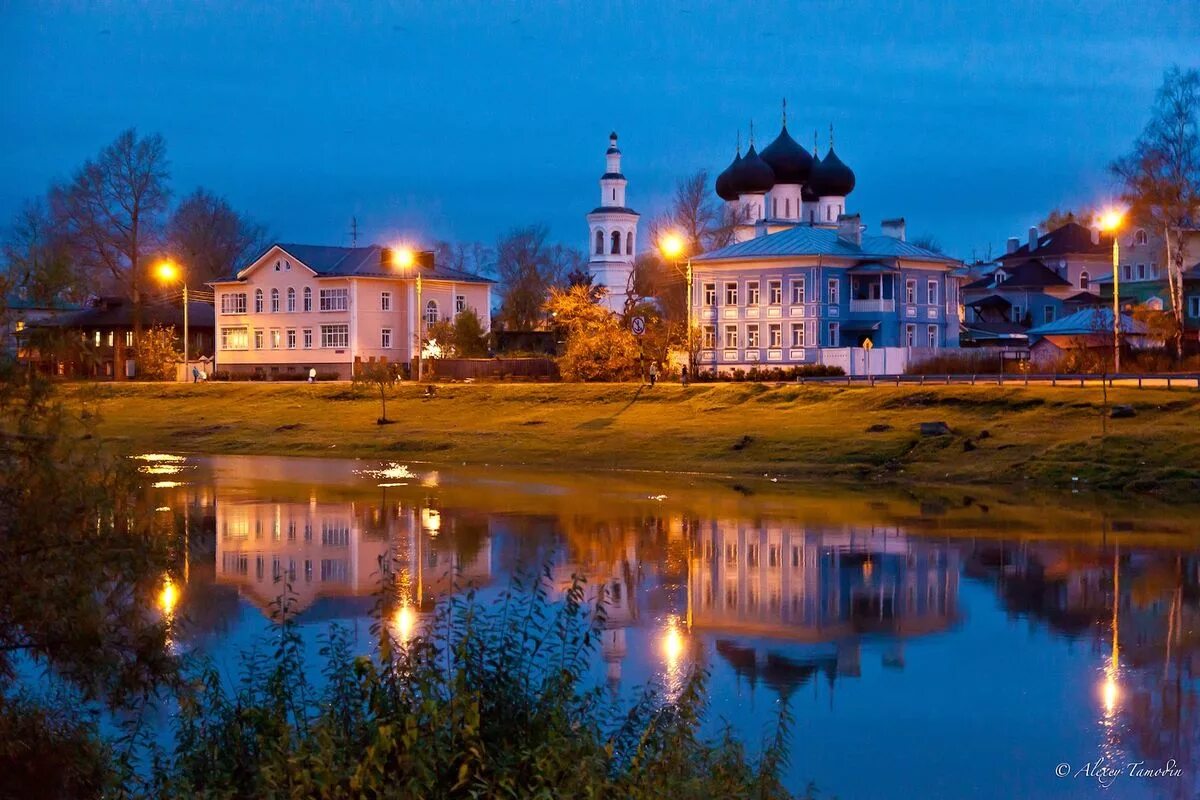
[[876, 361]]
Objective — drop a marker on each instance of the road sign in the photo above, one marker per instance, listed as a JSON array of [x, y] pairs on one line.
[[868, 344], [639, 326]]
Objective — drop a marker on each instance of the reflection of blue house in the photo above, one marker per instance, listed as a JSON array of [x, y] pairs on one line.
[[779, 298]]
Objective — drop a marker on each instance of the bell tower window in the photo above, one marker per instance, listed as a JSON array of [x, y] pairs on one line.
[[599, 243], [629, 243], [616, 243]]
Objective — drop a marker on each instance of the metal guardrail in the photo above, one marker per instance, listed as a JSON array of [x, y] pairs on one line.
[[1169, 380]]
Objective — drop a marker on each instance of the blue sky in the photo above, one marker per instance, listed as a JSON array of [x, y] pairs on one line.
[[448, 120]]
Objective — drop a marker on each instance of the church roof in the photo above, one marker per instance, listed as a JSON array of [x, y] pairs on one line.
[[831, 177], [805, 240], [724, 184], [751, 175], [790, 162], [613, 210]]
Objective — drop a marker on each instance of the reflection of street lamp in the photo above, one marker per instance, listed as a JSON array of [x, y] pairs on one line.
[[672, 247], [406, 258], [169, 272], [168, 598], [1111, 221]]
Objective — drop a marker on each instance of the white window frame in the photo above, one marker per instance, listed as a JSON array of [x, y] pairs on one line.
[[335, 336], [291, 299], [274, 301], [801, 296], [307, 298], [708, 336], [385, 301], [910, 335], [931, 292], [731, 337], [259, 339], [431, 312], [308, 338], [931, 335], [753, 295], [335, 299], [774, 336], [291, 338], [833, 292], [258, 301], [775, 292], [910, 291], [460, 303], [710, 295], [834, 331], [230, 337], [385, 338], [802, 339], [233, 303], [753, 341], [731, 291]]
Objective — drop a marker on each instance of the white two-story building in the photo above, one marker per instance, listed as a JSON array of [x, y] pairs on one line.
[[300, 307]]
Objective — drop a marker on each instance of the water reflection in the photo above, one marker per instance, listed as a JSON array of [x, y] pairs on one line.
[[915, 609]]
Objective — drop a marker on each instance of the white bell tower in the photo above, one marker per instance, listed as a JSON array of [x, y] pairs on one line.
[[612, 228]]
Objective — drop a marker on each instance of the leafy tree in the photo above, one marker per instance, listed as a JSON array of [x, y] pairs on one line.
[[1162, 176], [929, 242], [211, 238], [158, 355], [470, 339], [598, 346], [528, 269], [111, 215]]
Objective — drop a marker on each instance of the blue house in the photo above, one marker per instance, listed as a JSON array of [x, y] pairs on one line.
[[784, 298]]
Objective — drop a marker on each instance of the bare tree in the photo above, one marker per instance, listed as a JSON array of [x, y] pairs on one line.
[[111, 214], [528, 268], [1060, 216], [36, 263], [1162, 175], [929, 242], [473, 257], [211, 238]]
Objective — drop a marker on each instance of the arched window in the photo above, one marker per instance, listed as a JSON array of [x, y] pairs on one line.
[[1139, 237], [629, 243], [258, 301], [274, 300], [291, 299], [431, 312], [1084, 280], [599, 243], [307, 299], [616, 243], [787, 207]]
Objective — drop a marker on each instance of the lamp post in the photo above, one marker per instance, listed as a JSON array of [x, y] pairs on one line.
[[1111, 222], [169, 272], [407, 258], [672, 247]]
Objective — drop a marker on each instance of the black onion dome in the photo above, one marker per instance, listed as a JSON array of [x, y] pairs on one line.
[[832, 178], [726, 190], [752, 175], [790, 162]]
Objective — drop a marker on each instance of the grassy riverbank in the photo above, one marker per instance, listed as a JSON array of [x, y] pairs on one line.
[[1037, 436]]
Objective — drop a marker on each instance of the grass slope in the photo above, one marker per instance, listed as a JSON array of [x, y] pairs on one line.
[[1001, 436]]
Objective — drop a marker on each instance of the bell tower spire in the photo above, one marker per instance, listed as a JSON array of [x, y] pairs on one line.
[[612, 232]]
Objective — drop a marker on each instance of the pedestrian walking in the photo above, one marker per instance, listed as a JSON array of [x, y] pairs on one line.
[[195, 374], [653, 372], [683, 375], [312, 374]]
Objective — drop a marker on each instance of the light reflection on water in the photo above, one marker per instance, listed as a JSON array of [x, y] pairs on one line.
[[944, 646]]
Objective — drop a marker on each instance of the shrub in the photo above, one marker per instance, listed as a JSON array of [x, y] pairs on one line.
[[960, 362]]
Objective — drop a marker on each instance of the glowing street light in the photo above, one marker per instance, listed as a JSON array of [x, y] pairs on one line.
[[673, 247], [405, 258], [1111, 221], [169, 272], [168, 598]]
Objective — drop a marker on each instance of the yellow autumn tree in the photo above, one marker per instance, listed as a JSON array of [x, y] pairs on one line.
[[598, 346]]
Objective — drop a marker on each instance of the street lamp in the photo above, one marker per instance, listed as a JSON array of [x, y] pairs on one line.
[[672, 246], [406, 258], [169, 272], [1110, 221]]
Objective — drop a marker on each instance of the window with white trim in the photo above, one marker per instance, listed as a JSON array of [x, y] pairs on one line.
[[798, 336], [931, 292], [910, 292], [385, 338], [833, 292], [752, 294], [910, 335], [1140, 237], [774, 335], [258, 301], [1085, 280], [233, 339], [307, 298], [291, 338], [710, 294], [709, 338], [731, 294], [385, 301], [752, 335], [308, 338], [798, 290], [258, 338], [233, 303], [431, 312], [276, 339], [335, 335], [932, 337], [731, 336], [274, 301], [334, 300], [834, 331], [460, 303], [775, 293], [291, 299]]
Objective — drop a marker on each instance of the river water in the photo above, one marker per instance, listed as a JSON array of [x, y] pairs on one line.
[[938, 643]]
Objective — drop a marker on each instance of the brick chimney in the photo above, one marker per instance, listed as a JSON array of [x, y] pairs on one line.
[[850, 229], [894, 228], [1013, 243]]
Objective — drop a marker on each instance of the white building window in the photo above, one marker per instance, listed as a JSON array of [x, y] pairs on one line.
[[629, 243], [385, 338], [910, 292], [258, 339], [931, 292], [752, 294], [775, 293], [308, 338], [291, 338], [274, 301], [1141, 272], [710, 294], [335, 300], [798, 338], [731, 294], [731, 337], [233, 339], [1140, 237], [385, 301], [258, 301], [335, 335], [1127, 271], [291, 299], [599, 243], [833, 292], [276, 339], [774, 335], [233, 303], [129, 338], [910, 335], [460, 303], [431, 312], [307, 299], [709, 340], [752, 335], [1084, 280], [932, 337], [798, 290], [835, 334]]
